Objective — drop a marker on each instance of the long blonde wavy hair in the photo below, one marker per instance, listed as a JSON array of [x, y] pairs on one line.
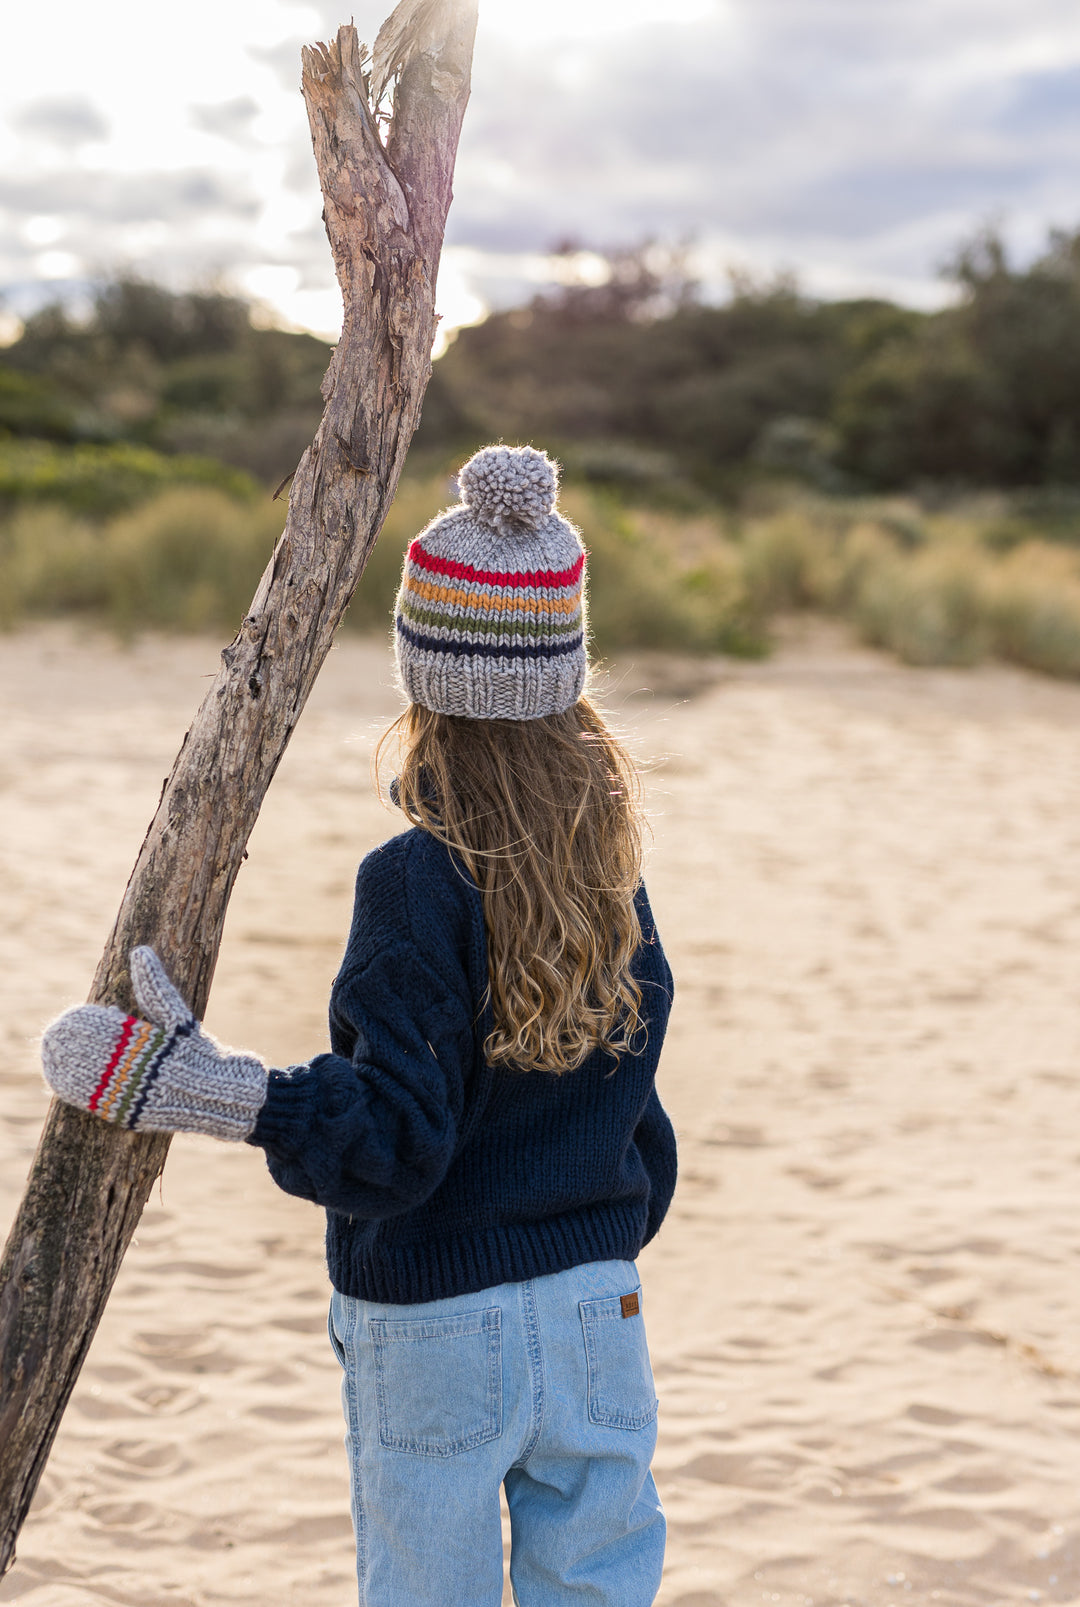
[[546, 816]]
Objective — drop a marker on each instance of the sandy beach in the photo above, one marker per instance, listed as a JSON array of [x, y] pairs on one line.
[[864, 1307]]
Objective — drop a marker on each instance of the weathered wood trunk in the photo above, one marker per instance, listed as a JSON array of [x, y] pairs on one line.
[[385, 212]]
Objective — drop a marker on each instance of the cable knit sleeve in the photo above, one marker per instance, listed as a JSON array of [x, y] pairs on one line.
[[370, 1130]]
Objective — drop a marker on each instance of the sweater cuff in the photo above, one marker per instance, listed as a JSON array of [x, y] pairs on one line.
[[290, 1097]]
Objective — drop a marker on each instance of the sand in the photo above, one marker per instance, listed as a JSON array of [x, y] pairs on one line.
[[864, 1307]]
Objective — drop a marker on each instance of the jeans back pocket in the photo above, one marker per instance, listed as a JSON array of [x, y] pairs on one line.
[[621, 1393], [438, 1381]]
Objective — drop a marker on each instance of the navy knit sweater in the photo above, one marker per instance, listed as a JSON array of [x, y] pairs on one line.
[[440, 1174]]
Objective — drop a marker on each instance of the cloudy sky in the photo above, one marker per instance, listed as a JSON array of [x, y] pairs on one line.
[[853, 141]]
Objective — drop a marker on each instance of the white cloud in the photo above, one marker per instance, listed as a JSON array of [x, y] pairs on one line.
[[228, 119], [854, 142], [67, 121]]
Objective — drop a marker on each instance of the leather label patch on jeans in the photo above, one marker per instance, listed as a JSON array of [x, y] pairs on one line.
[[630, 1305]]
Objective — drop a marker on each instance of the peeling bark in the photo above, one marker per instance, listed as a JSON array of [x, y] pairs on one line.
[[385, 211]]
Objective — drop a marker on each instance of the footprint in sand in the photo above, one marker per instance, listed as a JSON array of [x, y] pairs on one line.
[[173, 1399], [940, 1416], [145, 1458], [184, 1353]]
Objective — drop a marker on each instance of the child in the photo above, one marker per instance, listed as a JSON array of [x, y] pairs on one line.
[[485, 1135]]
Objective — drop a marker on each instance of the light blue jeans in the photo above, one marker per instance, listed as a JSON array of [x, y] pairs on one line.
[[543, 1387]]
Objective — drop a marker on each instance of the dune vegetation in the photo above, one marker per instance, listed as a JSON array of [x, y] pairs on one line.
[[916, 474], [978, 580]]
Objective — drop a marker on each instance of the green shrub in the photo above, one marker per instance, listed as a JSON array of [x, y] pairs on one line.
[[416, 503], [641, 596], [788, 562], [30, 405], [1034, 603], [189, 560], [99, 481], [51, 563], [930, 609]]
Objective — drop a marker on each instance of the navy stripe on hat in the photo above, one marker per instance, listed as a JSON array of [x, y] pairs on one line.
[[460, 649]]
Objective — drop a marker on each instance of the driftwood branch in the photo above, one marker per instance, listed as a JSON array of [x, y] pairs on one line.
[[385, 210]]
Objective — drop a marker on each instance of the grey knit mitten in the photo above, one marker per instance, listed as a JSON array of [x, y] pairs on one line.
[[162, 1074]]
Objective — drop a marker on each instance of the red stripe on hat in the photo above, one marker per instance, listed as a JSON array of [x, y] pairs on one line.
[[130, 1023], [494, 577]]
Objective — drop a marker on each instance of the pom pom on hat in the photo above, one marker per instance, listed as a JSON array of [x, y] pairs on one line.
[[509, 487], [490, 618]]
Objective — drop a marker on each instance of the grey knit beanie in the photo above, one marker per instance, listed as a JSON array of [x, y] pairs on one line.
[[490, 618]]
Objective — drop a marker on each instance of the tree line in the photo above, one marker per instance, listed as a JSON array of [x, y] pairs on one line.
[[631, 380]]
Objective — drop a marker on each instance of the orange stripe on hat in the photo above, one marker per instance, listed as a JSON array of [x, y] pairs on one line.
[[467, 599]]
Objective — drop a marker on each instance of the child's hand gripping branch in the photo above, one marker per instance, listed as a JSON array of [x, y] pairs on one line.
[[162, 1074]]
